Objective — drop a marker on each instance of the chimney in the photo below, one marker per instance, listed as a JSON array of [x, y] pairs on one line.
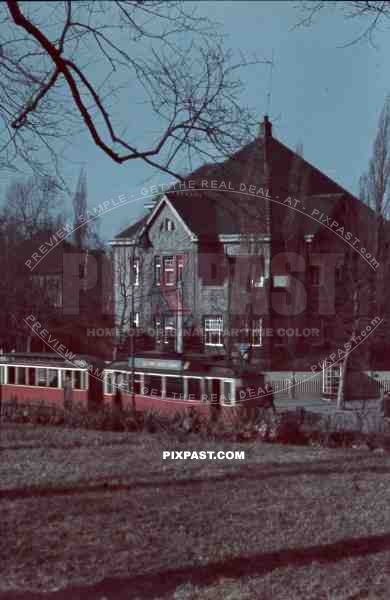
[[266, 128]]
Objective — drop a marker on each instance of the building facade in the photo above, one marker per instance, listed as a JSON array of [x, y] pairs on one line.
[[260, 258]]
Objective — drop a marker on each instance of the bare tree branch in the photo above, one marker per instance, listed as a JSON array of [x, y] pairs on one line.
[[72, 64]]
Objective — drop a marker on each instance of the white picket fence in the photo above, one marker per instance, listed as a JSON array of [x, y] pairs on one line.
[[290, 383], [304, 383]]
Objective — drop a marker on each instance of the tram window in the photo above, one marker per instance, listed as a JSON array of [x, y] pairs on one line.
[[109, 383], [147, 387], [68, 377], [174, 387], [194, 389], [155, 385], [1, 375], [123, 382], [77, 380], [21, 372], [83, 380], [52, 377], [31, 376], [226, 392], [120, 381], [11, 375], [42, 377]]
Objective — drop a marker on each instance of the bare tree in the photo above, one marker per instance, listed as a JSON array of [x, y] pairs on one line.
[[70, 67], [32, 211], [31, 206], [372, 14]]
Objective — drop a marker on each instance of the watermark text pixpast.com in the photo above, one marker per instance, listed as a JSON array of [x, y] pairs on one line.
[[204, 454]]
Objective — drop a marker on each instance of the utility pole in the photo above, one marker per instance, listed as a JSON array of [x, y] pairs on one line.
[[131, 329]]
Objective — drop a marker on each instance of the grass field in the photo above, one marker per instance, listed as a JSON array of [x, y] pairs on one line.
[[91, 515]]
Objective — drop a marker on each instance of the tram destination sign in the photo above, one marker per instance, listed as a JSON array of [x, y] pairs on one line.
[[156, 363]]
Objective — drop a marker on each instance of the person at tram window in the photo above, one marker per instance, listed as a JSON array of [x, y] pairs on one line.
[[68, 392]]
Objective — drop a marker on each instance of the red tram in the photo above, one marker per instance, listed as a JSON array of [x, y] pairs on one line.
[[165, 384]]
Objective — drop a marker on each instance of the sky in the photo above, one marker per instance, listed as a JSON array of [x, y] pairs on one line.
[[325, 94]]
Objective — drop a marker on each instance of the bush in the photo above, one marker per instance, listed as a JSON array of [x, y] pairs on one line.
[[262, 424]]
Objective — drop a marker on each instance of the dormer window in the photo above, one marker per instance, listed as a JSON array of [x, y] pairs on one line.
[[167, 225]]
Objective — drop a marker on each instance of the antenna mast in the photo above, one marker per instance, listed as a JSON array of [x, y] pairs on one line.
[[269, 92]]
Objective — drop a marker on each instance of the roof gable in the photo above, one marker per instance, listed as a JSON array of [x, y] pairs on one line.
[[208, 212]]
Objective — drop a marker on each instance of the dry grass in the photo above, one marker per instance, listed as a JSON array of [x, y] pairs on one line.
[[102, 516]]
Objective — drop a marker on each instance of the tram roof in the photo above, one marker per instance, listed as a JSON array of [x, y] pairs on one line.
[[50, 359]]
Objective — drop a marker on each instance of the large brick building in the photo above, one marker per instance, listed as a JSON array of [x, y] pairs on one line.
[[261, 253]]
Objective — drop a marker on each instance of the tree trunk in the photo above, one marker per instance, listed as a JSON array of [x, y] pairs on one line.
[[342, 382]]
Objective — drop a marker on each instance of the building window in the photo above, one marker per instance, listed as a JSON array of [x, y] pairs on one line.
[[165, 328], [51, 285], [169, 329], [258, 282], [213, 331], [157, 270], [180, 267], [134, 320], [169, 270], [280, 281], [257, 276], [167, 225], [256, 334], [135, 274]]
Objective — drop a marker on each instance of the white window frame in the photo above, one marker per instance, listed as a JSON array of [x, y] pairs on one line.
[[257, 330], [157, 270], [213, 325], [257, 280], [169, 331], [259, 283], [134, 320], [170, 269], [169, 225], [180, 267], [136, 270]]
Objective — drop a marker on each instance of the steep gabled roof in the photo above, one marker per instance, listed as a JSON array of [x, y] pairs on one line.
[[132, 230], [218, 212], [232, 210]]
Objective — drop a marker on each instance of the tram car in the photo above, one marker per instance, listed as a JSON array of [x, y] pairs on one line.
[[142, 382], [46, 377]]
